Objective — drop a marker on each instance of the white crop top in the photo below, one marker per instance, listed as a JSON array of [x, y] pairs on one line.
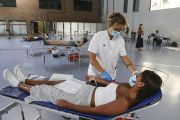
[[104, 95]]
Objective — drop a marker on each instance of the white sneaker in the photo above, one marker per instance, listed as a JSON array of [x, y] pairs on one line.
[[7, 74], [18, 73]]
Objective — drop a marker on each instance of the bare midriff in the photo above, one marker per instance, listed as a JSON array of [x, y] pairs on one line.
[[93, 98]]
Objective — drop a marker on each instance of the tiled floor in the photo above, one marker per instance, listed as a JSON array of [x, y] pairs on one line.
[[157, 57]]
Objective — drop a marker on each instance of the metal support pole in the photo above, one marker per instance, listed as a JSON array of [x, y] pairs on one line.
[[60, 35], [66, 118], [8, 36], [44, 55], [39, 117], [79, 56], [133, 115], [8, 32], [130, 116], [125, 116], [22, 113], [8, 108], [71, 36]]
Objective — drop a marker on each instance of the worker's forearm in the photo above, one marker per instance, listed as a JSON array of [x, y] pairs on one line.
[[82, 109], [127, 62], [95, 63], [131, 68], [101, 81]]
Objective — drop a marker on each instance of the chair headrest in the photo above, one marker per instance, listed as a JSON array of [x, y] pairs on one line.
[[153, 98], [49, 35], [87, 40]]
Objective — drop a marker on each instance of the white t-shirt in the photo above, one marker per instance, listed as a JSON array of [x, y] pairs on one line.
[[157, 35], [107, 52]]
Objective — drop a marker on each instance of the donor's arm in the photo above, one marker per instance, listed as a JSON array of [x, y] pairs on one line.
[[116, 107], [101, 81]]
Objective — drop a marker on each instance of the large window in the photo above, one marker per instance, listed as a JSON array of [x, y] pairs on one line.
[[18, 27], [125, 6], [164, 4], [135, 5], [50, 4], [80, 5], [7, 3]]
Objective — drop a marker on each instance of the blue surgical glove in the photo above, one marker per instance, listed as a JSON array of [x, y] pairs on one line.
[[106, 76]]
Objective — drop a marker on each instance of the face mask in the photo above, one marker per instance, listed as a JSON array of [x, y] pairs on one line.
[[131, 80], [115, 34], [141, 26]]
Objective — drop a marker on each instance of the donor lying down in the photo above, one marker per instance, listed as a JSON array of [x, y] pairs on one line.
[[113, 99]]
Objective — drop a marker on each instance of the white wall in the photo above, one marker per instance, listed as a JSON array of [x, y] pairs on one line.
[[166, 21]]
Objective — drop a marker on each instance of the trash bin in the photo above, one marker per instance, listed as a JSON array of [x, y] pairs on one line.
[[72, 56], [8, 32], [133, 35], [55, 53]]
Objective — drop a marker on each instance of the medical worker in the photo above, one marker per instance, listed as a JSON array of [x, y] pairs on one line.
[[106, 46]]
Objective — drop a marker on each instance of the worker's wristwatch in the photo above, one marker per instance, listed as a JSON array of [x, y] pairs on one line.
[[135, 73]]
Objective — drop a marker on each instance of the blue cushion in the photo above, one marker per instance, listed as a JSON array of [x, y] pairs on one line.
[[86, 41]]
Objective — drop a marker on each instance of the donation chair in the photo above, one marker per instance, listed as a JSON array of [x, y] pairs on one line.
[[17, 95]]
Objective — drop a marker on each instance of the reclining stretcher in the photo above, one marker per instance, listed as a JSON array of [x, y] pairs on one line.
[[29, 44], [11, 93], [45, 52]]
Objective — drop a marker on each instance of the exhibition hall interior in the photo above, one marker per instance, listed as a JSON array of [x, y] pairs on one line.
[[89, 59]]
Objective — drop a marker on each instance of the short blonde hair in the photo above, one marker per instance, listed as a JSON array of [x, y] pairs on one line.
[[115, 19], [31, 37]]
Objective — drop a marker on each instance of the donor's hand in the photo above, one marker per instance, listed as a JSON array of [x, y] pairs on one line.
[[89, 77], [62, 104]]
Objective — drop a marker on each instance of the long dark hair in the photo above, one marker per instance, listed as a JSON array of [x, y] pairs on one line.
[[152, 85], [85, 39]]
